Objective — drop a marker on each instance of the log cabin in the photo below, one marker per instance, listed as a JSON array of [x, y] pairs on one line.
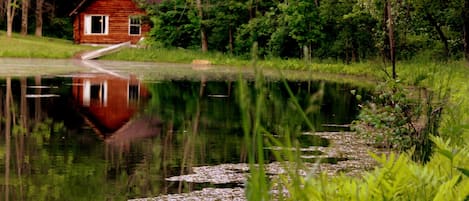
[[108, 22]]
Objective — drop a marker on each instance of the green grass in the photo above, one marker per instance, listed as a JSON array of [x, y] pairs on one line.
[[179, 55], [175, 55], [37, 47]]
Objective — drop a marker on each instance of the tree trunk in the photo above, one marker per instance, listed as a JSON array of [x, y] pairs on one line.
[[203, 33], [10, 15], [392, 48], [354, 54], [37, 101], [2, 11], [306, 54], [24, 17], [24, 106], [230, 32], [466, 29], [252, 7], [39, 8], [19, 140], [440, 32]]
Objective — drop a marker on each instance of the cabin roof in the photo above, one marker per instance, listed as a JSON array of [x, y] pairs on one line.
[[84, 3], [75, 11]]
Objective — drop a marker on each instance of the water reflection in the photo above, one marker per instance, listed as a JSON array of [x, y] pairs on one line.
[[107, 104], [105, 137]]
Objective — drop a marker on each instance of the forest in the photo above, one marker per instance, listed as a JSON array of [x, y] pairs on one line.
[[333, 30]]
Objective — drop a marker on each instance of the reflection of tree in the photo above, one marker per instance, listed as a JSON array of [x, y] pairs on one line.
[[7, 138], [188, 158], [39, 162], [37, 101], [23, 130], [198, 129]]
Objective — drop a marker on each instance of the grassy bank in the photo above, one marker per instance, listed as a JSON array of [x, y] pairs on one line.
[[186, 56], [37, 47]]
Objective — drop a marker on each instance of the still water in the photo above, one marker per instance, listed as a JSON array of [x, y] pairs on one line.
[[101, 137]]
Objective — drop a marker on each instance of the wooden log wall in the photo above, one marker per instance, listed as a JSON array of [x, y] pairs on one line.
[[118, 28]]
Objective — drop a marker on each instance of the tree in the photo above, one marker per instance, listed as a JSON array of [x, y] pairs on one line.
[[174, 25], [303, 23], [435, 13], [223, 18], [466, 29], [383, 11], [392, 41], [203, 33], [39, 20], [24, 16], [8, 121], [2, 11], [336, 29], [11, 8]]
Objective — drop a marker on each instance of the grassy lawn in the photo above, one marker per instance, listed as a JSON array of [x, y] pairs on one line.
[[34, 47]]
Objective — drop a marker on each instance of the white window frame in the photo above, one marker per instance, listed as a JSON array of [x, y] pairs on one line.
[[88, 26], [139, 25], [129, 99], [103, 96]]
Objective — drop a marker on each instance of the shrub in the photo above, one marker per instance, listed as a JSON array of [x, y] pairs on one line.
[[397, 119]]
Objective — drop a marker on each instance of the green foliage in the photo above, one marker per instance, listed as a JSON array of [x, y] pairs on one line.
[[174, 24], [396, 178], [344, 30], [390, 117], [401, 119]]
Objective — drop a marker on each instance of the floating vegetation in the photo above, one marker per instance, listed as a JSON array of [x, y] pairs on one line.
[[347, 153], [206, 194]]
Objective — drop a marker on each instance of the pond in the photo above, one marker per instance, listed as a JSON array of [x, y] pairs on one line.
[[100, 136]]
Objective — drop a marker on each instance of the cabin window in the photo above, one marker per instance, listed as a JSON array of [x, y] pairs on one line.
[[94, 94], [133, 93], [135, 24], [96, 24]]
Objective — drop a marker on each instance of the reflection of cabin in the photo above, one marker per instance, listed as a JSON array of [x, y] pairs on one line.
[[108, 22], [108, 102]]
